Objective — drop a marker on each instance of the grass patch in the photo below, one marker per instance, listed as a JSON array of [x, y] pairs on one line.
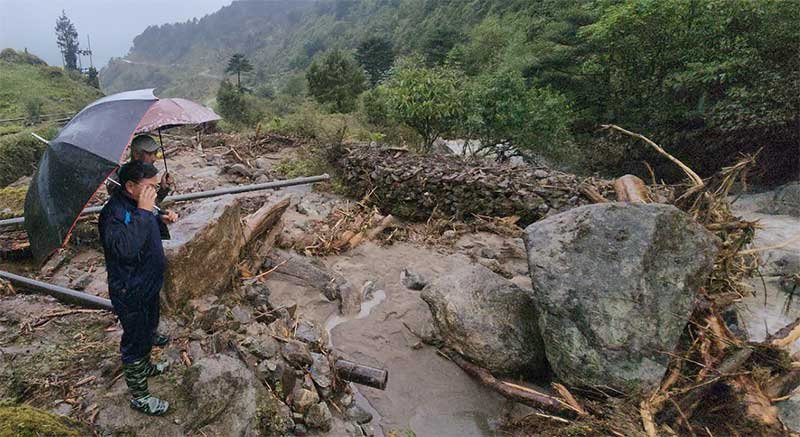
[[51, 89], [26, 421], [12, 201], [20, 153]]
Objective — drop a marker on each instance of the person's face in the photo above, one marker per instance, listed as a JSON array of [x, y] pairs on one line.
[[144, 156], [135, 188]]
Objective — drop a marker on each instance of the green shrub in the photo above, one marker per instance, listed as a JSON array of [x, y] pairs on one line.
[[20, 153]]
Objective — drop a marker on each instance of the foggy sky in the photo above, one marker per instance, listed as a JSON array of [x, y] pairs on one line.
[[111, 24]]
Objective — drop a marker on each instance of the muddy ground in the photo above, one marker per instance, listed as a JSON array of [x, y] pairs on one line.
[[65, 360]]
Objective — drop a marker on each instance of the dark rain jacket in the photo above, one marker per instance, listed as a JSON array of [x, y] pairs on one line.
[[135, 265]]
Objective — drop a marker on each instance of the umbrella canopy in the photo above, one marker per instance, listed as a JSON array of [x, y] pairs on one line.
[[167, 113], [83, 154]]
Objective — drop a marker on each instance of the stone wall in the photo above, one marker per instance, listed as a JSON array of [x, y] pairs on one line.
[[413, 186]]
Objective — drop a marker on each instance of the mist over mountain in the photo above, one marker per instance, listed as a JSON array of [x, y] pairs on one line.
[[111, 24]]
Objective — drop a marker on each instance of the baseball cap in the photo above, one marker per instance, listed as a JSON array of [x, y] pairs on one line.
[[144, 142]]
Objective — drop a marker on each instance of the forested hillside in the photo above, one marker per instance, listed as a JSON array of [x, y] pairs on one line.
[[707, 79]]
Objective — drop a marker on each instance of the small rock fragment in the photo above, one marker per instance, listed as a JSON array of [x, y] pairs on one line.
[[297, 353], [319, 417], [412, 280]]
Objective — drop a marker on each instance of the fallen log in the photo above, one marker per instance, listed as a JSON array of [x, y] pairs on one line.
[[515, 392], [360, 374], [592, 194], [631, 189], [265, 218]]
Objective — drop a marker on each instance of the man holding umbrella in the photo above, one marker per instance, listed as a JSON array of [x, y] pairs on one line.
[[129, 230], [144, 148]]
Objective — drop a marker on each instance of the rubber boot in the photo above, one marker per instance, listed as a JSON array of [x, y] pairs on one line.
[[136, 377], [156, 369], [160, 340]]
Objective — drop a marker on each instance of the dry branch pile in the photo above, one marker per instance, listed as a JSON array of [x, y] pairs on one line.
[[409, 187]]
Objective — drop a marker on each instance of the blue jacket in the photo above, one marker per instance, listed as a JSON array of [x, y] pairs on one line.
[[132, 244]]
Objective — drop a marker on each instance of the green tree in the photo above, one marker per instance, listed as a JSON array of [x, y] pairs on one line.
[[438, 42], [429, 100], [67, 40], [93, 78], [231, 103], [337, 79], [511, 119], [237, 65], [708, 78], [376, 55]]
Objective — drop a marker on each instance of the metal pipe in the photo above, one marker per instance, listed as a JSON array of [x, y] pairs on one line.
[[60, 293], [18, 221]]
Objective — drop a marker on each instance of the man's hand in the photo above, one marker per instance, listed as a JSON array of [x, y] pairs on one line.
[[147, 198], [170, 216], [166, 180]]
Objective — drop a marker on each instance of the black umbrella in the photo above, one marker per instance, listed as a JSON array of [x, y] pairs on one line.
[[85, 152]]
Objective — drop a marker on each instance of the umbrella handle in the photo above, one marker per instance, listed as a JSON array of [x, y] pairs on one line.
[[163, 152]]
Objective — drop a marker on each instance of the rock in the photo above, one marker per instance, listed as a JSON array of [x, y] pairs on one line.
[[300, 430], [296, 353], [256, 294], [224, 397], [262, 179], [412, 280], [241, 315], [262, 346], [276, 419], [321, 373], [789, 412], [540, 174], [214, 319], [319, 417], [358, 414], [614, 286], [308, 332], [203, 253], [449, 235], [241, 170], [303, 399], [262, 163], [62, 409], [280, 376], [488, 319], [350, 299], [785, 201]]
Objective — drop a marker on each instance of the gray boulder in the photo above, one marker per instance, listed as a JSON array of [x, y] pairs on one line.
[[614, 286], [785, 201], [203, 253], [488, 319], [223, 397]]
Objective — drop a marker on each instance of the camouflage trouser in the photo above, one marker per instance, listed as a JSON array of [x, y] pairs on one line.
[[136, 374]]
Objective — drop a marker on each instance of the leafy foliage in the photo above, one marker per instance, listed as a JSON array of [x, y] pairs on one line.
[[510, 118], [376, 55], [336, 78], [234, 106], [237, 65], [430, 100], [67, 40]]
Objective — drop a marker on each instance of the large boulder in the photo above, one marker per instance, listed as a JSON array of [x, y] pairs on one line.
[[226, 398], [203, 252], [614, 286], [488, 319]]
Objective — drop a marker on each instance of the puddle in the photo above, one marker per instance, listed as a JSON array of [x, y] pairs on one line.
[[337, 319], [366, 308]]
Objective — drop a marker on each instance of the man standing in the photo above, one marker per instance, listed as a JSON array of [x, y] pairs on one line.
[[129, 230]]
